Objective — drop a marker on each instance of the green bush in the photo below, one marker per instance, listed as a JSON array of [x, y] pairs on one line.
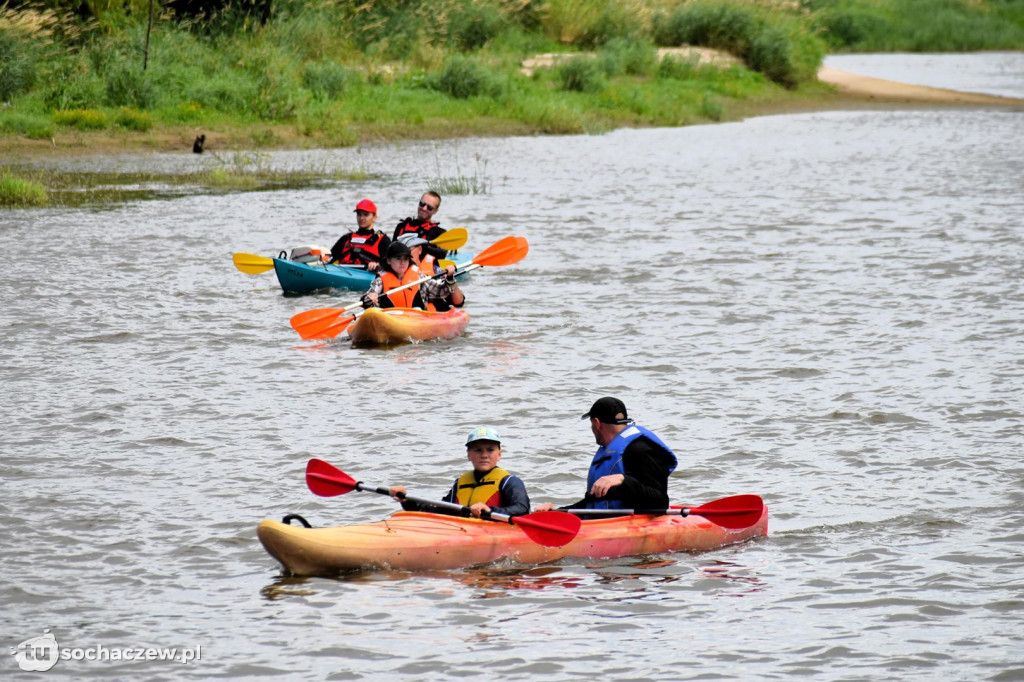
[[678, 68], [628, 56], [131, 119], [326, 80], [82, 119], [129, 86], [463, 78], [720, 25], [16, 191], [31, 126], [72, 86], [17, 65], [849, 28], [225, 91], [581, 74], [475, 24]]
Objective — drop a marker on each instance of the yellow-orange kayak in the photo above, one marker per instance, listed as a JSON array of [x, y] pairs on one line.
[[424, 541], [392, 326]]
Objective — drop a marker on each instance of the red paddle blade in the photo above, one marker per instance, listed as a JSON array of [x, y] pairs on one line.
[[326, 480], [738, 511], [503, 252], [549, 528], [312, 320]]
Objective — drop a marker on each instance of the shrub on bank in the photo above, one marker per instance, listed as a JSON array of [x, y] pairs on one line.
[[918, 25], [34, 127], [16, 191], [581, 74], [463, 78], [82, 119]]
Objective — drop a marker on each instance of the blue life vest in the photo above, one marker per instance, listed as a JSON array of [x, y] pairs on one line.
[[608, 460]]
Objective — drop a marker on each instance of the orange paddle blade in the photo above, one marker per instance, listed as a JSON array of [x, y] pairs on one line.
[[313, 320], [503, 252]]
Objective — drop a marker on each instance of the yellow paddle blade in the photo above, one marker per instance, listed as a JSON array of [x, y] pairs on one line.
[[251, 264], [452, 240], [444, 263]]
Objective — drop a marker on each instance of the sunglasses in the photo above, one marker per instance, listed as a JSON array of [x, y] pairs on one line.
[[363, 213], [427, 206]]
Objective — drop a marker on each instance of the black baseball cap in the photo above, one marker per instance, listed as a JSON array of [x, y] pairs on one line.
[[608, 410]]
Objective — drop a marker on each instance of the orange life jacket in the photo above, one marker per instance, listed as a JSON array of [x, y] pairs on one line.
[[403, 298]]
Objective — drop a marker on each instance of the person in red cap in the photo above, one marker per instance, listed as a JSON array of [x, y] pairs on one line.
[[631, 466], [484, 488], [423, 225], [366, 246]]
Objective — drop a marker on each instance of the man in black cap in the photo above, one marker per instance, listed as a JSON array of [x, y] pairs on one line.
[[630, 468]]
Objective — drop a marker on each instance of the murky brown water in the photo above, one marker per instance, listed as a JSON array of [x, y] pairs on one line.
[[823, 309]]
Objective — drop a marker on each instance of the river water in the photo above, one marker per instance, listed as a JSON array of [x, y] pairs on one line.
[[824, 309]]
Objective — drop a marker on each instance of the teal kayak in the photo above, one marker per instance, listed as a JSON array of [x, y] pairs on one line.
[[305, 278]]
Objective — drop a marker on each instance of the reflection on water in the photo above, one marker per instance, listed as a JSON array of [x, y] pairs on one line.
[[822, 309]]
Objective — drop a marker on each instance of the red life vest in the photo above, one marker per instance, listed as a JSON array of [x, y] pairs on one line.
[[369, 245], [403, 298], [418, 230]]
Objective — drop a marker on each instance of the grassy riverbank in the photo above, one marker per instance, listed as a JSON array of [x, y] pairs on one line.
[[295, 73]]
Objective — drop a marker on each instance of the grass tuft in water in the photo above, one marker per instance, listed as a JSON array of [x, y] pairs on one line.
[[461, 184], [16, 191]]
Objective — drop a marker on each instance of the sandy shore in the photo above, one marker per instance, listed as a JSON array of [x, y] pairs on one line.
[[877, 88]]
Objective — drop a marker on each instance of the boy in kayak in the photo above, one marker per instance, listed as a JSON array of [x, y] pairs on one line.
[[366, 246], [423, 224], [485, 487], [399, 270], [442, 294], [630, 468]]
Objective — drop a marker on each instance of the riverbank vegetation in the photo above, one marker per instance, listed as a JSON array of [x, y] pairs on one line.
[[107, 75]]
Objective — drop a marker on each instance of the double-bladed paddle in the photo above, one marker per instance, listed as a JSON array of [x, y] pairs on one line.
[[738, 511], [251, 264], [327, 323], [550, 528]]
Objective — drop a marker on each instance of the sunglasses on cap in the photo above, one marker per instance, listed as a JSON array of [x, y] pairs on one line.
[[427, 206]]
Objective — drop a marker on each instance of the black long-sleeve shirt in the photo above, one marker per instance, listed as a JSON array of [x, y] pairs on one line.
[[646, 466], [514, 499]]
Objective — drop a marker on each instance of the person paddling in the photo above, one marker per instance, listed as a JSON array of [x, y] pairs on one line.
[[439, 294], [366, 246], [397, 271], [631, 466], [484, 488], [423, 224]]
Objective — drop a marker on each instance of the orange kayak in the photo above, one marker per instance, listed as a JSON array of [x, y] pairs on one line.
[[423, 541], [392, 326]]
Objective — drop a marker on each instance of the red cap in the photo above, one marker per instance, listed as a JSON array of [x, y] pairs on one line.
[[367, 205]]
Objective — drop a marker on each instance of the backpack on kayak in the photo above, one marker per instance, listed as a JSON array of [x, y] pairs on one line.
[[310, 254]]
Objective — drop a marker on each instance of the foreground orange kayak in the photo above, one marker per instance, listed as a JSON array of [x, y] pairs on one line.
[[392, 326], [423, 541]]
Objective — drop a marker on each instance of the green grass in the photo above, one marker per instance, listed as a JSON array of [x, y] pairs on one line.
[[16, 192], [337, 74]]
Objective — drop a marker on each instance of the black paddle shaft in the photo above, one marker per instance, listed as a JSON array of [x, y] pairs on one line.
[[433, 503]]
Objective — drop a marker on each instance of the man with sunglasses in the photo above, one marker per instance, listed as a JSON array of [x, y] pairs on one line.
[[366, 246], [631, 466], [423, 224]]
